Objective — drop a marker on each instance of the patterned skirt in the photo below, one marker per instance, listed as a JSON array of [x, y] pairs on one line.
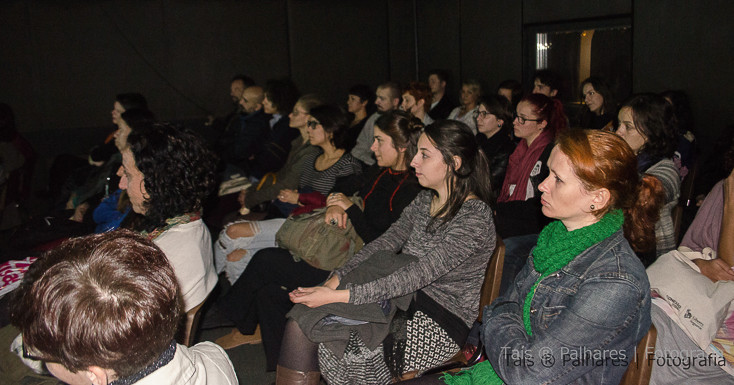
[[424, 344]]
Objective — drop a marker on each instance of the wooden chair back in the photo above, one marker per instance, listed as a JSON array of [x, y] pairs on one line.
[[191, 325], [493, 277], [640, 369]]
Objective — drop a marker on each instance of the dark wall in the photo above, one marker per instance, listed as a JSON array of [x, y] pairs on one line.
[[683, 45], [63, 61]]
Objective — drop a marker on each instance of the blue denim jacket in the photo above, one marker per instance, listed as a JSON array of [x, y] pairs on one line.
[[586, 319]]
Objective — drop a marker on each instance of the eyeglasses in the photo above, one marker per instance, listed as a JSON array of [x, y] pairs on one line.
[[31, 355], [522, 120], [312, 124], [483, 114]]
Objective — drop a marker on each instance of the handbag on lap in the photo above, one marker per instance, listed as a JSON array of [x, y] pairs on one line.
[[324, 246]]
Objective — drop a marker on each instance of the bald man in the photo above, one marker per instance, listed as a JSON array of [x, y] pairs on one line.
[[239, 142]]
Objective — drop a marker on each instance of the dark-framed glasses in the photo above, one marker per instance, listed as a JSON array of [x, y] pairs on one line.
[[522, 120], [483, 114], [32, 355], [312, 124]]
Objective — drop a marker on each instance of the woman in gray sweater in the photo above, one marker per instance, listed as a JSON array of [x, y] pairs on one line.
[[450, 232]]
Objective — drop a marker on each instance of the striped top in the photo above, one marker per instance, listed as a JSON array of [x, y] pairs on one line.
[[666, 172], [323, 181]]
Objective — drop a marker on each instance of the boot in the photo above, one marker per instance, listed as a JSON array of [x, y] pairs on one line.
[[286, 376]]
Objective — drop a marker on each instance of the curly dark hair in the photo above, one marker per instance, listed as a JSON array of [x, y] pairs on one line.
[[654, 118], [178, 171]]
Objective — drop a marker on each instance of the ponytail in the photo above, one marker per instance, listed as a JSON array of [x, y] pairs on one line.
[[641, 216]]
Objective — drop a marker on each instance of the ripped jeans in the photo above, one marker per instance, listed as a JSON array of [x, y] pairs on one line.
[[264, 237]]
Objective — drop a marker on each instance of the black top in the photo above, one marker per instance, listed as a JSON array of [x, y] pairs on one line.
[[393, 192], [497, 148], [442, 109], [240, 139], [515, 218], [274, 148]]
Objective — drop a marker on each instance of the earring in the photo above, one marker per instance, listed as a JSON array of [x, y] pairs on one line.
[[499, 125], [592, 207]]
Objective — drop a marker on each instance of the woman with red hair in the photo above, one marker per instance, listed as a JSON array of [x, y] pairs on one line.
[[582, 302], [518, 218]]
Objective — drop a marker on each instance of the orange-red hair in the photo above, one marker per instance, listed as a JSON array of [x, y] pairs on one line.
[[604, 160]]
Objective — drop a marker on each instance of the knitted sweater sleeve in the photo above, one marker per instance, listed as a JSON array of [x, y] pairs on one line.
[[464, 237], [393, 239]]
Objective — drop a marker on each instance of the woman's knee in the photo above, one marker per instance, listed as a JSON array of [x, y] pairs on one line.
[[240, 230], [236, 255]]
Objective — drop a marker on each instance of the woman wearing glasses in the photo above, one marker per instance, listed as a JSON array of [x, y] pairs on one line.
[[494, 121], [518, 211], [260, 295], [327, 126]]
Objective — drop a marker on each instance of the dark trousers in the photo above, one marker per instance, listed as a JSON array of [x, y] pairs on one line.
[[260, 296]]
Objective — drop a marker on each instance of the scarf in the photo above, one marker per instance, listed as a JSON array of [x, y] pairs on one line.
[[520, 165], [171, 222], [160, 362], [555, 249]]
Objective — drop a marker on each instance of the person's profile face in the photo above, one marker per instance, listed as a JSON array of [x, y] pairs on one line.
[[383, 100], [131, 180], [235, 90]]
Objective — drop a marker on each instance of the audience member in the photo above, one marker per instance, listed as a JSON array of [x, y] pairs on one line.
[[389, 186], [647, 124], [114, 207], [280, 97], [168, 173], [388, 99], [301, 149], [512, 91], [471, 90], [239, 142], [548, 83], [359, 101], [712, 232], [441, 105], [599, 107], [518, 212], [219, 126], [583, 293], [445, 238], [416, 100], [685, 153], [104, 309], [322, 171], [494, 122]]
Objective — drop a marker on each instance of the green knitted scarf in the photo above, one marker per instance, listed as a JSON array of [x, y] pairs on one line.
[[555, 249]]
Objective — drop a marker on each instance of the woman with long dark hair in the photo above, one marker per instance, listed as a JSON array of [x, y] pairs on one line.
[[445, 238], [648, 125], [389, 186], [577, 309]]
